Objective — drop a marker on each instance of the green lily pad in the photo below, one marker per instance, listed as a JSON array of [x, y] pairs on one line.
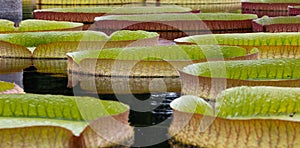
[[33, 39], [132, 35], [120, 10], [149, 61], [43, 25], [271, 1], [244, 39], [192, 104], [208, 79], [168, 53], [244, 103], [37, 25], [6, 26], [176, 17], [57, 44], [84, 2], [245, 116], [270, 45], [259, 102], [278, 20], [265, 69], [204, 5], [67, 115]]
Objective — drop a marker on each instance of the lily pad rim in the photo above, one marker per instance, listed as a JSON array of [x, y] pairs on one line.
[[246, 118]]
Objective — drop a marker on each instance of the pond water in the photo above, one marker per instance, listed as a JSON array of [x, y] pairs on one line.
[[149, 125]]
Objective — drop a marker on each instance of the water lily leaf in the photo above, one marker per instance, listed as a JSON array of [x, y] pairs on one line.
[[271, 1], [36, 136], [176, 17], [120, 10], [31, 25], [84, 2], [255, 116], [270, 45], [219, 75], [132, 35], [10, 88], [192, 104], [168, 58], [6, 26], [33, 39], [275, 69], [59, 118], [106, 85], [204, 5], [87, 15], [276, 24], [293, 10], [167, 53], [171, 26], [43, 25], [57, 44], [259, 102], [21, 45], [13, 50], [278, 20]]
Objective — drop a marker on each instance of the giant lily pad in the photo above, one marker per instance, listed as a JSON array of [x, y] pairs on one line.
[[208, 79], [244, 117], [204, 5], [171, 26], [62, 121], [270, 45], [87, 14], [38, 25], [277, 24], [57, 44], [87, 2], [268, 7], [10, 88], [294, 10], [149, 61], [124, 85]]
